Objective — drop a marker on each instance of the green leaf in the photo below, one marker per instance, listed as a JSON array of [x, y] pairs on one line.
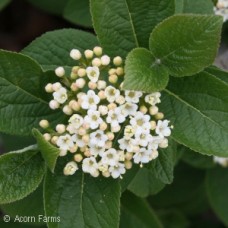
[[217, 188], [125, 24], [51, 6], [4, 3], [49, 152], [145, 183], [77, 11], [31, 206], [198, 7], [136, 212], [179, 5], [163, 166], [23, 100], [81, 200], [21, 173], [186, 44], [53, 48], [144, 73], [195, 159], [198, 108]]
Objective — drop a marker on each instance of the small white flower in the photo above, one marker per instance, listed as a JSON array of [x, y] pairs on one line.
[[105, 60], [111, 93], [127, 144], [76, 122], [93, 119], [98, 138], [154, 142], [97, 150], [162, 128], [110, 157], [129, 131], [70, 168], [129, 109], [117, 170], [78, 139], [115, 117], [75, 54], [153, 98], [143, 138], [65, 142], [141, 122], [103, 110], [93, 73], [132, 96], [60, 95], [90, 100], [90, 165], [143, 156]]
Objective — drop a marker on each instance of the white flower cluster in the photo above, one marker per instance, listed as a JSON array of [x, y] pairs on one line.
[[222, 9], [221, 161], [108, 128]]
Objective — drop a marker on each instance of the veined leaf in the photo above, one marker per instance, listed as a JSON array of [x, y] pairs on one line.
[[198, 108], [81, 200], [21, 173], [186, 44], [49, 152], [23, 101], [125, 24], [52, 49]]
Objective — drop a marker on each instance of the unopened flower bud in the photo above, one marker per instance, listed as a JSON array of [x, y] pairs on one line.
[[117, 61], [101, 94], [74, 87], [54, 139], [62, 153], [110, 136], [154, 154], [105, 60], [108, 144], [120, 71], [116, 129], [80, 83], [153, 110], [60, 72], [106, 174], [103, 126], [96, 62], [74, 105], [112, 71], [88, 54], [164, 143], [60, 128], [78, 157], [128, 156], [81, 131], [97, 51], [44, 124], [54, 104], [81, 72], [113, 78], [128, 164], [153, 125], [73, 76], [112, 106], [73, 149], [101, 84], [85, 138], [47, 136], [67, 110], [75, 54], [103, 110], [56, 86], [48, 88], [159, 116], [143, 109], [92, 85]]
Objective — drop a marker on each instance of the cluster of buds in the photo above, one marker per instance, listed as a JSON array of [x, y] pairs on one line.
[[222, 9], [108, 129]]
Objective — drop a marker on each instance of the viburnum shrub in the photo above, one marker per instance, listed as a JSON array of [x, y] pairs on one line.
[[114, 113]]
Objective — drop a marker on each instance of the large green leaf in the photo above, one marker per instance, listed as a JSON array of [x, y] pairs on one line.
[[30, 206], [136, 212], [53, 48], [163, 166], [77, 11], [198, 108], [49, 152], [21, 173], [186, 44], [23, 101], [81, 200], [125, 24], [143, 73], [145, 183], [217, 188]]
